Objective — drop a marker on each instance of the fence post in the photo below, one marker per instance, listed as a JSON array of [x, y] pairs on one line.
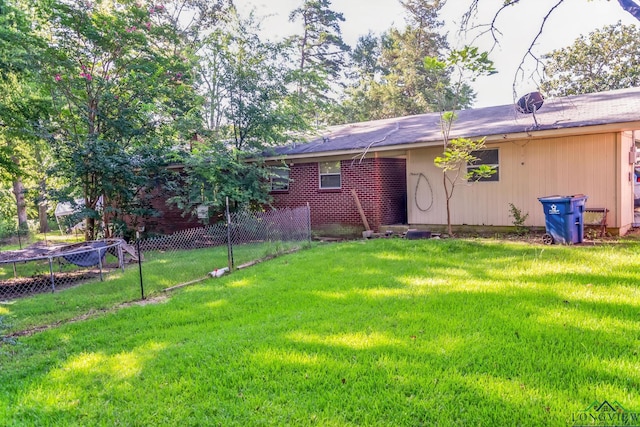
[[139, 263], [309, 222], [229, 242], [120, 257], [53, 283], [100, 264]]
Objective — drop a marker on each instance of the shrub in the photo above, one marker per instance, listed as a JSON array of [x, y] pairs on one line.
[[518, 220], [7, 228]]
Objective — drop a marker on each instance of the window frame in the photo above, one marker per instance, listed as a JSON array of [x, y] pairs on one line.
[[479, 162], [284, 181], [322, 174]]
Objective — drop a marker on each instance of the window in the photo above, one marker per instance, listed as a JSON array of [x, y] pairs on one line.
[[329, 175], [279, 178], [489, 158]]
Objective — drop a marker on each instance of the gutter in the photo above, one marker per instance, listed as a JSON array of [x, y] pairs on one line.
[[496, 138]]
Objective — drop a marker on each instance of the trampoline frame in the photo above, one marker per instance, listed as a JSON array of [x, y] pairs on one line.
[[65, 251]]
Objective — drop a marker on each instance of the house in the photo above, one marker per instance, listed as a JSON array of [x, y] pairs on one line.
[[584, 144]]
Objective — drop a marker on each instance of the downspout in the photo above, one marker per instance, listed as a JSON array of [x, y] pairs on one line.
[[634, 150]]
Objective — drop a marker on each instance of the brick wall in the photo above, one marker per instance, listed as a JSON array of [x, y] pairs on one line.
[[170, 219], [380, 184]]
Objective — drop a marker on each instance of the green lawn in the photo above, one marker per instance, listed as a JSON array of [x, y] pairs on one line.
[[160, 270], [381, 332]]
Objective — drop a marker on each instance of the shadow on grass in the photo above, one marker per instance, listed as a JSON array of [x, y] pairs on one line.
[[382, 333]]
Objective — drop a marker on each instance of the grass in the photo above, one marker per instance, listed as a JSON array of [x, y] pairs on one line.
[[383, 332], [53, 237], [161, 270]]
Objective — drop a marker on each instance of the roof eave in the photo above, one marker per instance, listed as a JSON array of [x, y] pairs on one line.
[[573, 131], [537, 134]]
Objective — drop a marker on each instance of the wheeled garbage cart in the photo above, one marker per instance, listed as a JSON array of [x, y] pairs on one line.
[[564, 219]]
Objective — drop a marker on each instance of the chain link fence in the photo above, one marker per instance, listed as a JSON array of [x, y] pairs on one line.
[[23, 238], [44, 268], [163, 261], [286, 225], [198, 253]]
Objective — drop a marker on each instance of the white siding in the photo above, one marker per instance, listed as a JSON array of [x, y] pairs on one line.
[[528, 169], [624, 215]]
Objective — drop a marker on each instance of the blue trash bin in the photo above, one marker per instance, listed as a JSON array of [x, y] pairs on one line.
[[564, 218]]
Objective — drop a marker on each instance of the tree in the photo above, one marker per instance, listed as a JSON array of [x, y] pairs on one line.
[[23, 111], [459, 153], [121, 76], [491, 27], [16, 38], [390, 77], [24, 105], [607, 59], [248, 108], [320, 54], [364, 57], [7, 167], [256, 107], [214, 172]]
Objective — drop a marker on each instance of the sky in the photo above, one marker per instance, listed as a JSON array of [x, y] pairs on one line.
[[519, 25]]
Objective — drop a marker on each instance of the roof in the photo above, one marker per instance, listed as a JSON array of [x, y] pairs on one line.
[[617, 107]]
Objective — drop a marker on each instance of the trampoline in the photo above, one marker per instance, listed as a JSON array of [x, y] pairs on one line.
[[33, 267]]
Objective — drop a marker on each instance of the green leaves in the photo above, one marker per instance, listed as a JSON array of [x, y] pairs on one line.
[[320, 45], [216, 171], [458, 154], [248, 88], [400, 73], [434, 64], [468, 64], [448, 116], [122, 89], [473, 61], [319, 54], [606, 59]]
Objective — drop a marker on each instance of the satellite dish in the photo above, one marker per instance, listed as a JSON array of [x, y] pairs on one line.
[[530, 103]]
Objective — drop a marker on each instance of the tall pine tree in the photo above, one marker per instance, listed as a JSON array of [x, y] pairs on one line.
[[320, 55]]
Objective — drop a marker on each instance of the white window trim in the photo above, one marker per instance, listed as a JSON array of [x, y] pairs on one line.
[[280, 179], [320, 175], [495, 166]]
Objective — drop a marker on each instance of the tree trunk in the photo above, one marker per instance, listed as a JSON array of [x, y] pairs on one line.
[[21, 205], [631, 7], [42, 208], [18, 192], [447, 195], [89, 229], [42, 218]]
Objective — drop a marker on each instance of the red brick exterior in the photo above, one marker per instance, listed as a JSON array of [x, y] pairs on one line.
[[168, 220], [381, 186], [171, 218]]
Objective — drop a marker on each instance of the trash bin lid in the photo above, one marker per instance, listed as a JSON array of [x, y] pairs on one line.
[[562, 198], [554, 199]]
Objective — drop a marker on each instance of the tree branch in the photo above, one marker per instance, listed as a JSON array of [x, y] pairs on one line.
[[631, 7], [529, 52]]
